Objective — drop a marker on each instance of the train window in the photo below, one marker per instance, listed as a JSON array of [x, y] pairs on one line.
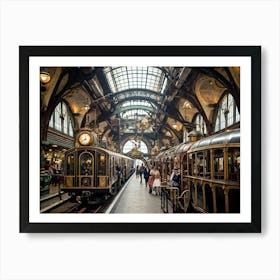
[[185, 164], [219, 164], [200, 163], [101, 164], [234, 164], [86, 164], [112, 167], [168, 171], [192, 169], [207, 163], [70, 165]]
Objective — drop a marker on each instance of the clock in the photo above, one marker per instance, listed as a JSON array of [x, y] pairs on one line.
[[84, 138]]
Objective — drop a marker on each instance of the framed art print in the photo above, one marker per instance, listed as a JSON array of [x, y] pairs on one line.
[[140, 139]]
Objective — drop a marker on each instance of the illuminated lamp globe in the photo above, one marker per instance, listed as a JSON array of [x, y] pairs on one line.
[[44, 77]]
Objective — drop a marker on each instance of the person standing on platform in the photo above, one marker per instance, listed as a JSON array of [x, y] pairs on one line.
[[176, 179], [156, 183], [47, 165], [141, 171], [137, 170], [151, 179], [119, 175], [146, 174]]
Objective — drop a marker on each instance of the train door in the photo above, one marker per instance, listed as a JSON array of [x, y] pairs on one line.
[[101, 169], [86, 170], [69, 174]]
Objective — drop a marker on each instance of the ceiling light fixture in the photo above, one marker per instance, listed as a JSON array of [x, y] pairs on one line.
[[44, 76], [187, 105]]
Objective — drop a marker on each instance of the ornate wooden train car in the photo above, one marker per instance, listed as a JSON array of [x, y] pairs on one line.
[[210, 172], [93, 172]]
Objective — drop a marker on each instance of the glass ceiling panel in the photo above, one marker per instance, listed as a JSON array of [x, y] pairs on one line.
[[140, 94], [136, 103], [135, 77], [134, 114]]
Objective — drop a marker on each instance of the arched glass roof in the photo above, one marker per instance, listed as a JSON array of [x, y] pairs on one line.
[[130, 103], [134, 114], [137, 90], [135, 77], [138, 94]]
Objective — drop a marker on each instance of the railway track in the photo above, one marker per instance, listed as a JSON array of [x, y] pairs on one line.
[[68, 206], [63, 206], [61, 203]]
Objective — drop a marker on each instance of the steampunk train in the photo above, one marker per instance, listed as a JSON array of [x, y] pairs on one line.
[[210, 172], [94, 173]]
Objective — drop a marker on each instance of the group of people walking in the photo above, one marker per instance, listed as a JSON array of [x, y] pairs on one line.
[[152, 178]]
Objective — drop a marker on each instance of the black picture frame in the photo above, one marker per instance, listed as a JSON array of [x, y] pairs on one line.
[[26, 52]]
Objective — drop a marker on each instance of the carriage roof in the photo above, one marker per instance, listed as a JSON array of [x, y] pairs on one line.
[[99, 149], [182, 147], [227, 137]]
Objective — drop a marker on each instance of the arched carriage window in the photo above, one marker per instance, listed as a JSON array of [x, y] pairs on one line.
[[227, 113], [62, 120], [200, 124]]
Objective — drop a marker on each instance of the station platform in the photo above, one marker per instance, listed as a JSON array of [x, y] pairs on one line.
[[135, 198], [53, 190]]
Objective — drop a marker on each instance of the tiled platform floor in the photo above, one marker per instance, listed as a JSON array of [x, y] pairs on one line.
[[137, 199]]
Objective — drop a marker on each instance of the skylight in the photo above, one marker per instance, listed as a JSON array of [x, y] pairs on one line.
[[134, 114], [135, 77], [140, 94], [136, 103]]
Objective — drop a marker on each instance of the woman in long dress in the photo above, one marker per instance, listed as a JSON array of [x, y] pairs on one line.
[[151, 179], [156, 183]]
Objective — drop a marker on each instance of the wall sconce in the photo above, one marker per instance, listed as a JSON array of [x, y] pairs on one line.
[[86, 107], [174, 125], [187, 105], [100, 131], [44, 76]]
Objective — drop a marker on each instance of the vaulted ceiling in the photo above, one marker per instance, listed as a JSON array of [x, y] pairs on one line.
[[125, 102]]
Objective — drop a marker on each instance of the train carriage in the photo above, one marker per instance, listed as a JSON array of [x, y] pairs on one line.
[[95, 172], [214, 173], [210, 172]]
